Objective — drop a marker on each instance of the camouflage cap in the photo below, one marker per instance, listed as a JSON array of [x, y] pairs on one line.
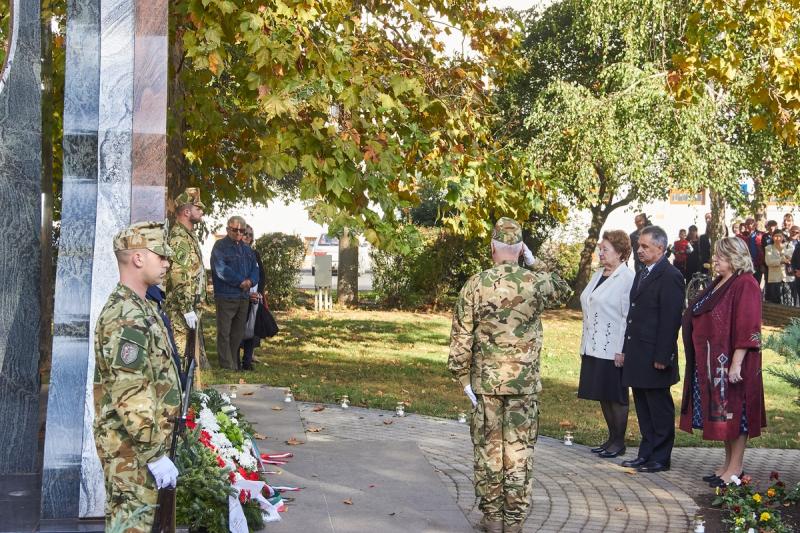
[[507, 231], [190, 196], [150, 235]]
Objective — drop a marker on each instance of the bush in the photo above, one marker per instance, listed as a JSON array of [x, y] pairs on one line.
[[787, 344], [562, 258], [282, 256], [431, 272]]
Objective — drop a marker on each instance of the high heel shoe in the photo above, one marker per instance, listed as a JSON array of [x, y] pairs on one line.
[[719, 482], [606, 454], [710, 477]]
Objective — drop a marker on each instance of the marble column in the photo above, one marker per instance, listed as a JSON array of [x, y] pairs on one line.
[[67, 427], [149, 157], [20, 242], [128, 70]]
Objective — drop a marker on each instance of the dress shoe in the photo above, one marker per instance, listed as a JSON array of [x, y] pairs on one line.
[[634, 463], [599, 449], [653, 466], [609, 454], [491, 526]]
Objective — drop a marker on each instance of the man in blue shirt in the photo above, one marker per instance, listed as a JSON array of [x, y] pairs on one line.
[[234, 272]]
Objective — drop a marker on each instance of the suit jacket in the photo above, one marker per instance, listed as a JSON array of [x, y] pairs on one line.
[[651, 334], [604, 311]]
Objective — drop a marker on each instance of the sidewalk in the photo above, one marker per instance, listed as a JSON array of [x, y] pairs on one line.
[[574, 491]]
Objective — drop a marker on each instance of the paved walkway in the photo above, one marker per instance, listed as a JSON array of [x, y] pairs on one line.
[[574, 491]]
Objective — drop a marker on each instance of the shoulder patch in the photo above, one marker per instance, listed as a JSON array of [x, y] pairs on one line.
[[128, 353]]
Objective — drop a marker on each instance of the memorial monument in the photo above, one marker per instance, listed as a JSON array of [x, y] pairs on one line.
[[114, 174]]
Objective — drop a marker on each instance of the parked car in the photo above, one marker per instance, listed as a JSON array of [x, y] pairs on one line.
[[327, 245]]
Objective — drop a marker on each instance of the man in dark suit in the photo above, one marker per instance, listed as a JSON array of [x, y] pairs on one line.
[[651, 349]]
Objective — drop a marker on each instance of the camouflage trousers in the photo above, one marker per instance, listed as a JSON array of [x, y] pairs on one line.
[[180, 332], [504, 431], [129, 488]]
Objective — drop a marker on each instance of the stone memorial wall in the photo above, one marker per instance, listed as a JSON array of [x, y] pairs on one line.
[[20, 240]]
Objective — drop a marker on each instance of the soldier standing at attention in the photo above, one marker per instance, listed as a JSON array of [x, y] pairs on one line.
[[494, 352], [186, 282], [137, 391]]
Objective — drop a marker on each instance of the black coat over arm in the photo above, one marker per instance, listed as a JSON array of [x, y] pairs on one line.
[[651, 335]]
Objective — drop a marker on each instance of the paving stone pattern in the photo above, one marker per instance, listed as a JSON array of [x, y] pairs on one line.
[[573, 489]]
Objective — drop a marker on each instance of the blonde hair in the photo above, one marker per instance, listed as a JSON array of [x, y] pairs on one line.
[[734, 251]]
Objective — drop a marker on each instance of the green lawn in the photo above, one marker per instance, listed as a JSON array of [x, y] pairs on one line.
[[381, 357]]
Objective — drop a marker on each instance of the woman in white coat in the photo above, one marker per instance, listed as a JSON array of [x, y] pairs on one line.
[[605, 302]]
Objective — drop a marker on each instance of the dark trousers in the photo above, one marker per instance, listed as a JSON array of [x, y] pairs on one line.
[[656, 413], [249, 347], [231, 319]]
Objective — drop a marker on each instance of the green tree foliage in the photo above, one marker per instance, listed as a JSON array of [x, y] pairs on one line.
[[282, 257], [751, 49], [787, 344], [356, 100]]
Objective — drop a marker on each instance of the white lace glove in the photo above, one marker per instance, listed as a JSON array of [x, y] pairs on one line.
[[191, 319], [164, 472], [471, 395], [527, 255]]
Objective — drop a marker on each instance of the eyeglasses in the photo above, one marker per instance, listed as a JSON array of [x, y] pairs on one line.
[[237, 230]]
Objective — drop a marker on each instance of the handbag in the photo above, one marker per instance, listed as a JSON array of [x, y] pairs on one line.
[[265, 325], [252, 318]]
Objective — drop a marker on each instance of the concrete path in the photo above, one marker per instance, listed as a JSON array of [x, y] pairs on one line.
[[574, 491], [348, 486]]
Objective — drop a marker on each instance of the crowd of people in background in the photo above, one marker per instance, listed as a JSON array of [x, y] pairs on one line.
[[773, 250]]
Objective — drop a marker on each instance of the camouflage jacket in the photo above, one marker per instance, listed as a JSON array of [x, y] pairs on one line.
[[136, 386], [497, 332], [186, 279]]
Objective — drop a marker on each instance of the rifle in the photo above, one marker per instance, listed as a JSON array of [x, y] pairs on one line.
[[164, 521]]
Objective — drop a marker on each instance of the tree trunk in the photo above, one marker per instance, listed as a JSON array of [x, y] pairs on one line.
[[48, 267], [716, 228], [177, 169], [347, 276], [759, 204], [599, 217]]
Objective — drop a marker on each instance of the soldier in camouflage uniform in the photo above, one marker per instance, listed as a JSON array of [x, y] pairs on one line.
[[186, 281], [136, 385], [494, 352]]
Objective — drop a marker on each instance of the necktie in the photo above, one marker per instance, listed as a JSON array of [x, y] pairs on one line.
[[645, 273]]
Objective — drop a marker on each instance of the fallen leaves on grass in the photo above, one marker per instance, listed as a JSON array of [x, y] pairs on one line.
[[565, 424], [294, 442], [242, 381]]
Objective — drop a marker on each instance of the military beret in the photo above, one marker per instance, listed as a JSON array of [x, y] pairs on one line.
[[507, 231], [150, 235], [190, 196]]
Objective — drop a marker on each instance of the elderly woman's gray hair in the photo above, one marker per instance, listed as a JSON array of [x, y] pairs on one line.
[[734, 251]]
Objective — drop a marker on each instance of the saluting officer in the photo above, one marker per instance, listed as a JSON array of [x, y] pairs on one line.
[[186, 281], [137, 391], [494, 352]]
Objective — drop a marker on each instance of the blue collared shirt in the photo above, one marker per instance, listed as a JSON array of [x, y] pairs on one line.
[[231, 263]]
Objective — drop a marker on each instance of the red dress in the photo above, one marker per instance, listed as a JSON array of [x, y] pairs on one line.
[[714, 326]]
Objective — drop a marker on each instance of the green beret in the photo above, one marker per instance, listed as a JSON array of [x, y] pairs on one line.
[[190, 196], [150, 235], [507, 231]]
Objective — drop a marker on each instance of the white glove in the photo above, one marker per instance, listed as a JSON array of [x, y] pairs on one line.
[[191, 319], [164, 472], [471, 395], [527, 255]]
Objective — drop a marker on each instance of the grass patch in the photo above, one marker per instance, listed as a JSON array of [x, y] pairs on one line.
[[379, 358]]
